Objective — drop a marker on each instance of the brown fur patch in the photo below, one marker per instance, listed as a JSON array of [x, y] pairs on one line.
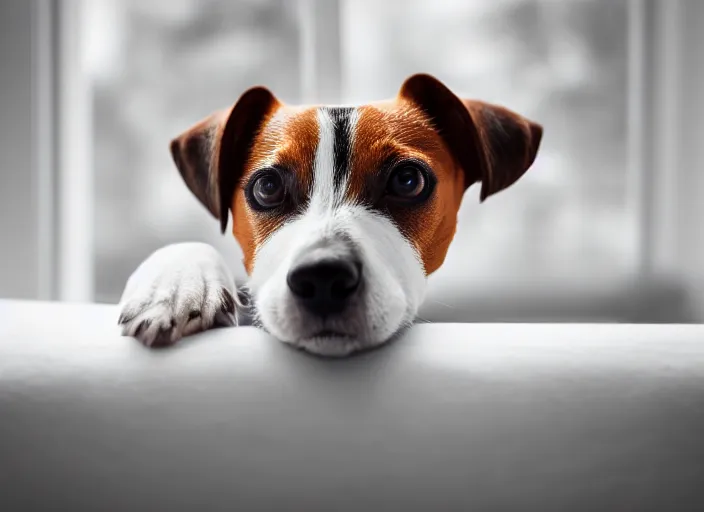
[[288, 138], [397, 129], [508, 142]]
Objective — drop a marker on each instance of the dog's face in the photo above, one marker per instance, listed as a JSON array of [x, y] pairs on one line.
[[343, 212]]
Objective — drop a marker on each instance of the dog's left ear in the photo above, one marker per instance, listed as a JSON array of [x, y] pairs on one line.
[[492, 144], [211, 154]]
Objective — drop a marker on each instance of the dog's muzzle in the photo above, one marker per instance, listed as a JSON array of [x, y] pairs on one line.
[[324, 283]]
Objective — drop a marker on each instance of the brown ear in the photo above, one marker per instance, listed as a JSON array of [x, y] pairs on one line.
[[211, 154], [492, 144]]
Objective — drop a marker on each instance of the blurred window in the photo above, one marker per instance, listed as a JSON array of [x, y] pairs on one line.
[[158, 66]]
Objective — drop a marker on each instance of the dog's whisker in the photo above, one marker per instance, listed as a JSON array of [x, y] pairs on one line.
[[443, 304]]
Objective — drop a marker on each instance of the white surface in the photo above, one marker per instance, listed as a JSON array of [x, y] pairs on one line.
[[450, 417]]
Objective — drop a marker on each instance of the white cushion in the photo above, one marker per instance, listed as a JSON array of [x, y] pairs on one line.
[[450, 417]]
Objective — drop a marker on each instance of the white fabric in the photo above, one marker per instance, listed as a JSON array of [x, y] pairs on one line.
[[450, 417]]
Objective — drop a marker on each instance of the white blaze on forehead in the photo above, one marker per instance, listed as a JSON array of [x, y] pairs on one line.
[[336, 130], [323, 192]]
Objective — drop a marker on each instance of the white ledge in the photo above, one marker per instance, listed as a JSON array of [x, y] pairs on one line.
[[449, 417]]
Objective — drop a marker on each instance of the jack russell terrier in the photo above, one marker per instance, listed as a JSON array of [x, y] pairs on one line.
[[341, 213]]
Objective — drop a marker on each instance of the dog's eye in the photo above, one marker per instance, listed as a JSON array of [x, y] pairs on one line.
[[268, 190], [408, 181]]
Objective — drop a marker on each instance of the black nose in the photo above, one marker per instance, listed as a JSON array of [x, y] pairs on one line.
[[324, 287]]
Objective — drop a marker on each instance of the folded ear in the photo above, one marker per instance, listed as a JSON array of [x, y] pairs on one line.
[[492, 144], [211, 154]]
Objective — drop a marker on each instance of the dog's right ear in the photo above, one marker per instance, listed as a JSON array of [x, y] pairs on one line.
[[211, 154], [494, 145]]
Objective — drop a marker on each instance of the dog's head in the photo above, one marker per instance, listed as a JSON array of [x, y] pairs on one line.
[[343, 212]]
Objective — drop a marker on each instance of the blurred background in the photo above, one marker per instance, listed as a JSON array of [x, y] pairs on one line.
[[606, 226]]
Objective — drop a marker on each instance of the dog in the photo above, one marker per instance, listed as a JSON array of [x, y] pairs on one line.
[[341, 213]]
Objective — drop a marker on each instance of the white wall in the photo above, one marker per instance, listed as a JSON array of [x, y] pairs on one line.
[[18, 201], [690, 192]]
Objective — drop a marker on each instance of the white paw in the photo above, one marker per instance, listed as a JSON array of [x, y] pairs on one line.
[[179, 290]]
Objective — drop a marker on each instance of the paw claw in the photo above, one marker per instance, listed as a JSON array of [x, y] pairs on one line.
[[228, 305], [163, 338], [224, 319], [143, 326]]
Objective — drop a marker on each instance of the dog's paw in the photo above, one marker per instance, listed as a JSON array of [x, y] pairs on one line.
[[158, 320], [179, 290]]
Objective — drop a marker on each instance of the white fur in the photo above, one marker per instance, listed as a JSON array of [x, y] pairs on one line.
[[323, 196], [170, 286]]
